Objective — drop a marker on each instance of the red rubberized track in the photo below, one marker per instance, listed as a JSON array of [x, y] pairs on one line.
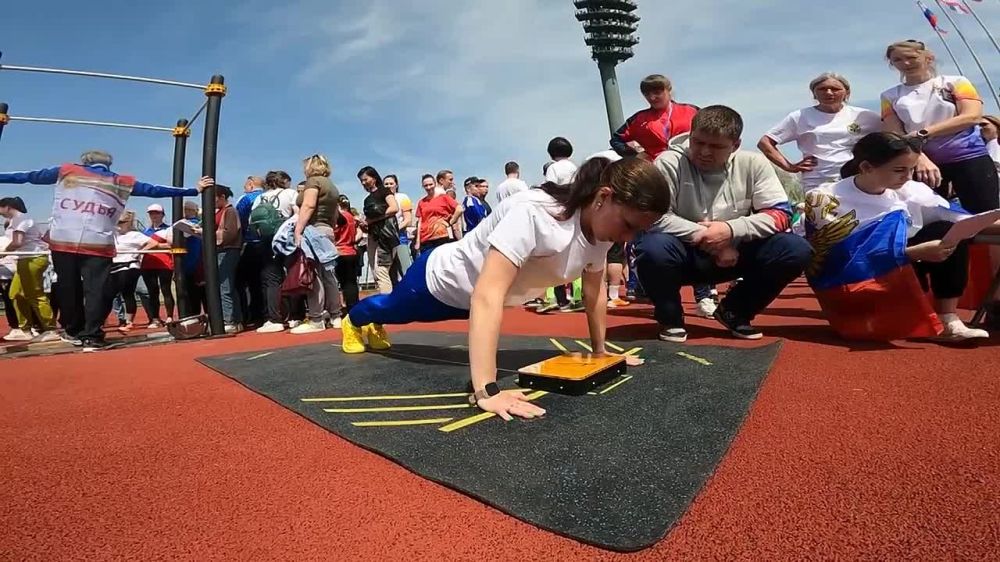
[[847, 453]]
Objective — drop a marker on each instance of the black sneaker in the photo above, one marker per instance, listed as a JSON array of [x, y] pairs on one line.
[[738, 327], [91, 344], [673, 335]]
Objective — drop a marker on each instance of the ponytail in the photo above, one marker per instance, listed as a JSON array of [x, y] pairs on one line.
[[574, 196], [850, 168], [634, 183]]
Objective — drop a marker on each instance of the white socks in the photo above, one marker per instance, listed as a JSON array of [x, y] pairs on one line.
[[613, 292]]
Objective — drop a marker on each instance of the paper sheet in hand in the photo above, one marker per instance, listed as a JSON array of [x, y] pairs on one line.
[[185, 227], [970, 227]]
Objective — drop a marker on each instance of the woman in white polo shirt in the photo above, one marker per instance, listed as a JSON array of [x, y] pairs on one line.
[[125, 265], [26, 289], [824, 133], [532, 241]]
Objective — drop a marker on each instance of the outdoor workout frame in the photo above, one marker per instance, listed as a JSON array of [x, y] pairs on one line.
[[215, 90]]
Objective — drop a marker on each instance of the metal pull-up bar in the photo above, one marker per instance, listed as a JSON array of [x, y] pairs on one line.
[[94, 123], [99, 75], [214, 91]]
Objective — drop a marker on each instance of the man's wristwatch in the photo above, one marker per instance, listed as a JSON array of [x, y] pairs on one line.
[[489, 391]]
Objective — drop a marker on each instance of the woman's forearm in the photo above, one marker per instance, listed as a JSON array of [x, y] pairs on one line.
[[484, 332], [954, 125], [305, 213], [770, 150], [596, 304]]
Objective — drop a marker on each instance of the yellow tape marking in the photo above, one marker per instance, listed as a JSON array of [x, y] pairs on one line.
[[558, 345], [617, 348], [694, 358], [396, 397], [624, 380], [399, 423], [465, 422], [633, 351], [584, 345], [396, 409]]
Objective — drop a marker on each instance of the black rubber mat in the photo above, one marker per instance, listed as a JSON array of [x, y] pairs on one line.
[[615, 468]]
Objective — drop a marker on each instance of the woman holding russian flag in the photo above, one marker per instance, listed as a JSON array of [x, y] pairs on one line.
[[867, 229]]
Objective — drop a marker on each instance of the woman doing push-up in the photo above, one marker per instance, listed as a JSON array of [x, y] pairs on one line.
[[533, 240]]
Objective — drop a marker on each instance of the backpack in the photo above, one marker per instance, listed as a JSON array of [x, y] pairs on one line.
[[265, 219]]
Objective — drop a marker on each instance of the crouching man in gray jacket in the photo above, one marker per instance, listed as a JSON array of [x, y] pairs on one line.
[[729, 218]]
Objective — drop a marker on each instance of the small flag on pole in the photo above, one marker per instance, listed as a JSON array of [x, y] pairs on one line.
[[956, 6], [931, 17]]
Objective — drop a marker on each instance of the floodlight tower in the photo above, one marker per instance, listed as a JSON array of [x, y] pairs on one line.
[[610, 27]]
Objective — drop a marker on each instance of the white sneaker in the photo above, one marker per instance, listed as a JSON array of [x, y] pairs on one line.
[[231, 329], [294, 323], [956, 330], [35, 333], [308, 327], [18, 335], [154, 325], [271, 328], [706, 308], [336, 323], [49, 336]]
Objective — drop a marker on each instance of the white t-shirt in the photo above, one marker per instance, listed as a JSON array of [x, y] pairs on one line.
[[404, 203], [523, 228], [129, 242], [281, 199], [561, 172], [827, 136], [8, 264], [32, 234], [931, 102], [921, 205], [509, 187]]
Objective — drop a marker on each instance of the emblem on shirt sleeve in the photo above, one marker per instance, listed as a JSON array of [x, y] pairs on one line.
[[854, 128]]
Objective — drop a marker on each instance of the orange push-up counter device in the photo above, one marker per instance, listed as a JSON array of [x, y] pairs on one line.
[[571, 373]]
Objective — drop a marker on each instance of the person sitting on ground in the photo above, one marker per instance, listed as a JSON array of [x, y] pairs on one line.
[[877, 220], [89, 198], [728, 219], [533, 240]]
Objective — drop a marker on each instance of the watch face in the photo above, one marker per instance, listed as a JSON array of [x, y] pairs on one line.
[[492, 389]]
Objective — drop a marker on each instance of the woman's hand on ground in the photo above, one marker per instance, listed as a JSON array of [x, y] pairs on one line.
[[511, 403]]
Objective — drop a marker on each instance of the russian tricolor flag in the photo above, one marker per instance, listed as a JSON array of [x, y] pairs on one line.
[[868, 290]]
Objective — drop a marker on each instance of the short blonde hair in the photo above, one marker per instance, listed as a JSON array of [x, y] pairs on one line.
[[317, 165]]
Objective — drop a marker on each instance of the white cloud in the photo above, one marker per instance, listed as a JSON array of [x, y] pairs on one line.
[[469, 85]]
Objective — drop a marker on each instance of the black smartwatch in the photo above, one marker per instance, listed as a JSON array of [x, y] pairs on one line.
[[489, 391]]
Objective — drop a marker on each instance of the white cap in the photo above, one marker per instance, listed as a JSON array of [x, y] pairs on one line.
[[154, 208]]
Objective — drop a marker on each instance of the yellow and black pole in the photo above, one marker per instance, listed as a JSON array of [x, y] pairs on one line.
[[215, 91], [4, 119], [181, 133]]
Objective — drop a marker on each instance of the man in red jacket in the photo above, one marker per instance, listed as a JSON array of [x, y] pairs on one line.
[[648, 131]]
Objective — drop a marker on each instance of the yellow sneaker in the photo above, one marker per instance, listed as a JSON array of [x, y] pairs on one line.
[[353, 337], [378, 339]]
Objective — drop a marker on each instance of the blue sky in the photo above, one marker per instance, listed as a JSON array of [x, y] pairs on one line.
[[415, 87]]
